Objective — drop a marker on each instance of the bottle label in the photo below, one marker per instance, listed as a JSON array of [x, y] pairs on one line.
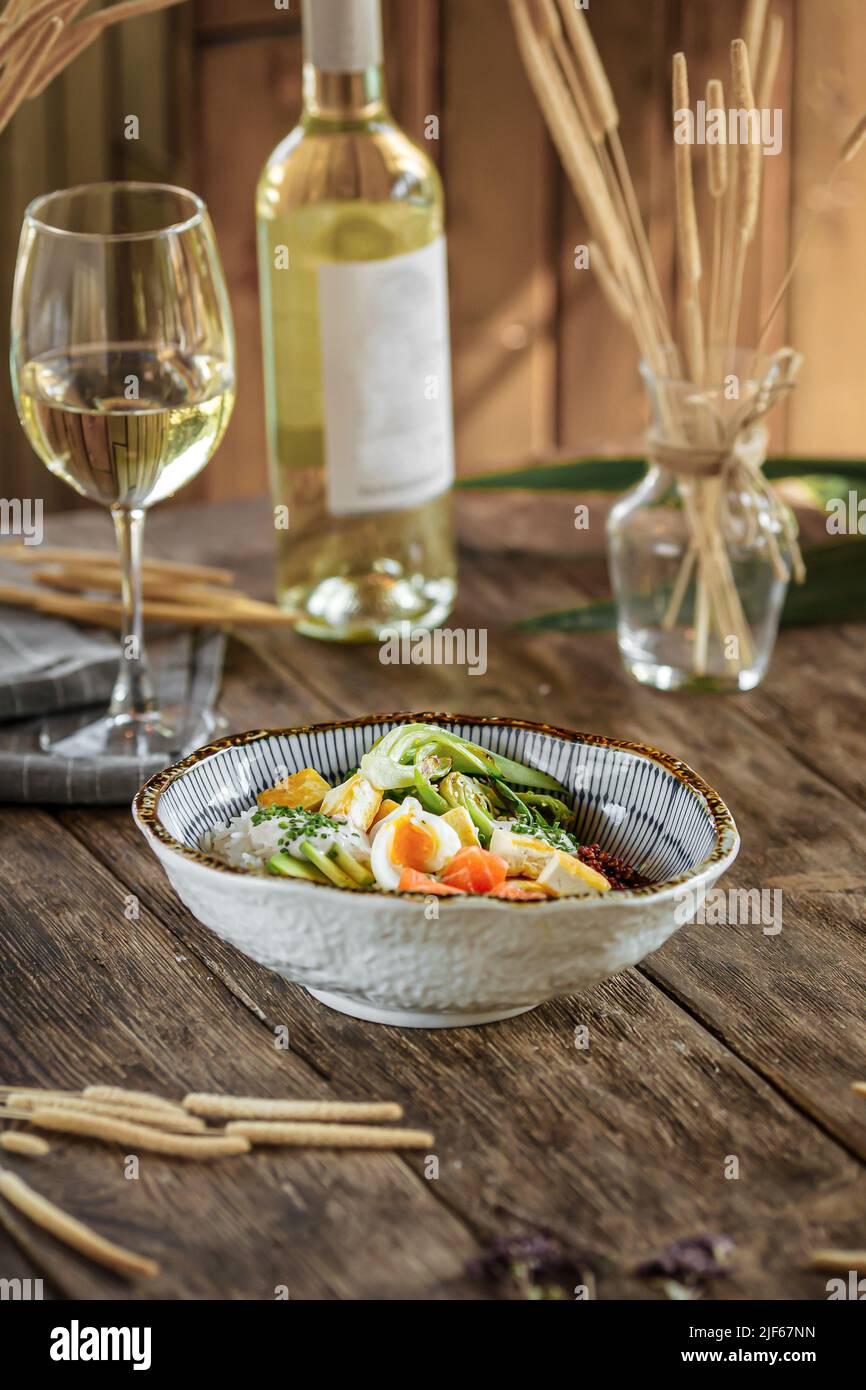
[[386, 381]]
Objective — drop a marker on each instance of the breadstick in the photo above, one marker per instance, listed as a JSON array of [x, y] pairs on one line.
[[19, 1194], [140, 1136], [218, 1107], [177, 1122], [839, 1260], [330, 1136], [15, 1141], [23, 554], [144, 1099]]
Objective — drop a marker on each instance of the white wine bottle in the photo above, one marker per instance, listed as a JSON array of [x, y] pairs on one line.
[[353, 279]]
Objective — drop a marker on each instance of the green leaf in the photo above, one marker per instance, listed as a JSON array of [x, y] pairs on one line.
[[578, 475], [616, 474], [834, 592]]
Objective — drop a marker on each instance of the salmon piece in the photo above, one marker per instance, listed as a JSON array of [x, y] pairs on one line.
[[413, 881], [517, 890], [475, 870]]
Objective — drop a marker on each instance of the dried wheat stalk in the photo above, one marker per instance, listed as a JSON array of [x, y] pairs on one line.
[[15, 1141], [754, 20], [748, 190], [144, 1100], [769, 65], [175, 1121], [41, 1212], [614, 292], [850, 149], [38, 43], [138, 1136], [329, 1136], [220, 1107], [574, 93], [838, 1261], [717, 180], [605, 126], [72, 560], [688, 241]]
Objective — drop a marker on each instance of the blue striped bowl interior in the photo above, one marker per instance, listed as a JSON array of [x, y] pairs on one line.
[[624, 801]]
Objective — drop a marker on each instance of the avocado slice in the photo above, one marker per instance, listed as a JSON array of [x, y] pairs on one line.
[[288, 867], [345, 861], [326, 866]]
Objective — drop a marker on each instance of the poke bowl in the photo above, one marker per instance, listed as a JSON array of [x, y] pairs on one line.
[[554, 859]]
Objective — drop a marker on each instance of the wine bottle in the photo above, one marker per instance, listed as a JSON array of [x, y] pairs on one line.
[[353, 280]]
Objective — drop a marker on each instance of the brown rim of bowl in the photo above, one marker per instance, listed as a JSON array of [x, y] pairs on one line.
[[146, 800]]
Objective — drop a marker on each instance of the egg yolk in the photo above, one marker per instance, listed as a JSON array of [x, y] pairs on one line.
[[413, 845]]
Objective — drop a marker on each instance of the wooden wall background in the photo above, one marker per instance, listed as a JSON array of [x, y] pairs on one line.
[[540, 365]]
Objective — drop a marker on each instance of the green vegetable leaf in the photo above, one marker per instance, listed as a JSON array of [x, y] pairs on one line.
[[834, 592], [617, 474]]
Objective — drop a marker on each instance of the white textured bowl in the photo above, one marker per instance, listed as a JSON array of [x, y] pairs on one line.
[[438, 963]]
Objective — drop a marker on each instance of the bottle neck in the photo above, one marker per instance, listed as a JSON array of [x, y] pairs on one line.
[[343, 77], [344, 96]]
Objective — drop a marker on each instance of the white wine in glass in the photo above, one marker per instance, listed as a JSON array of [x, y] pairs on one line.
[[123, 372]]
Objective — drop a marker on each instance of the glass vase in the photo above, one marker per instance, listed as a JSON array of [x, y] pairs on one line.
[[701, 551]]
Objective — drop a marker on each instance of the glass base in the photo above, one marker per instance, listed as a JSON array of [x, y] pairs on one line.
[[345, 609], [674, 678], [160, 737], [665, 660]]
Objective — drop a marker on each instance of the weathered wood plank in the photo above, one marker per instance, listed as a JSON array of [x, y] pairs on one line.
[[230, 18], [614, 1128], [14, 1261], [231, 154], [824, 732], [828, 410], [749, 983], [602, 403], [412, 66], [631, 1136], [89, 993], [500, 192]]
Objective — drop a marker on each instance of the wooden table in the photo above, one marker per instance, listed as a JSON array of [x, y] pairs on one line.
[[727, 1042]]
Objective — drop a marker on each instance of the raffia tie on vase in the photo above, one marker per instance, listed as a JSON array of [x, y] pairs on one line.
[[711, 474]]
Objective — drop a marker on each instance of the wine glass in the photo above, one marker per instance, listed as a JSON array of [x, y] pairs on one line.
[[123, 369]]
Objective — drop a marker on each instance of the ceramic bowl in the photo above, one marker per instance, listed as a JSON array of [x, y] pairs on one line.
[[439, 963]]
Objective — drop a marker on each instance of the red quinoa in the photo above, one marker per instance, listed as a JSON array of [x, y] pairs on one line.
[[616, 871]]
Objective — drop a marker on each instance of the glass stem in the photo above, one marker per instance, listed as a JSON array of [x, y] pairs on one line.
[[132, 697]]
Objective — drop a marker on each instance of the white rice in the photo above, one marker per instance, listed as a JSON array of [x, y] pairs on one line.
[[248, 846]]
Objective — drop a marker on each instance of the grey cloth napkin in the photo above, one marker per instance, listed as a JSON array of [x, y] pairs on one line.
[[48, 666]]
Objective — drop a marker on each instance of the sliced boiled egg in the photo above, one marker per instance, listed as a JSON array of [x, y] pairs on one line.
[[411, 838]]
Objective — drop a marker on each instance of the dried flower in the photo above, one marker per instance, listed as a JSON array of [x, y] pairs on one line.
[[535, 1266], [684, 1266]]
